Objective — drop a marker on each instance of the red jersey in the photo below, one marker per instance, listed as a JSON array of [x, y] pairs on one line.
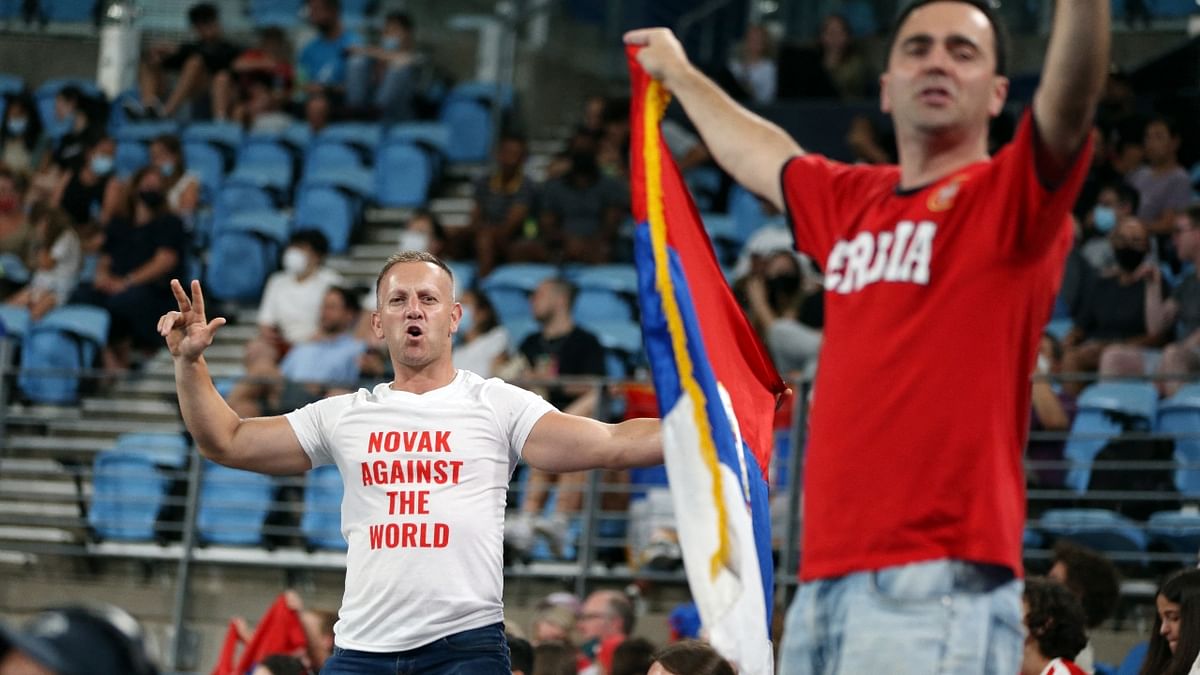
[[935, 301]]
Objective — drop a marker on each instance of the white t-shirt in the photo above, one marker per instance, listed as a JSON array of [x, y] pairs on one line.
[[62, 278], [478, 355], [294, 306], [426, 477]]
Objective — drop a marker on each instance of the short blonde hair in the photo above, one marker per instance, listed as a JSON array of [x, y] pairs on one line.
[[409, 257]]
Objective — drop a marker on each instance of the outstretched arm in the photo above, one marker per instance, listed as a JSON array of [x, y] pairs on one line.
[[560, 442], [1072, 79], [262, 444], [748, 147]]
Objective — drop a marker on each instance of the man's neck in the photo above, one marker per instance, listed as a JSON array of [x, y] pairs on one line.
[[926, 158], [558, 326], [423, 379], [1165, 165]]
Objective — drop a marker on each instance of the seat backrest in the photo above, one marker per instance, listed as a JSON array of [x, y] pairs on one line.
[[208, 164], [130, 156], [746, 210], [233, 505], [15, 320], [55, 350], [363, 136], [403, 174], [523, 276], [470, 130], [321, 522], [327, 210], [1179, 416], [239, 262], [224, 135], [593, 305], [331, 154], [127, 493], [163, 449], [511, 304], [239, 198]]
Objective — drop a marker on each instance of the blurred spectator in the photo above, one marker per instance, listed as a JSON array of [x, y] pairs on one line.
[[482, 340], [1115, 202], [22, 144], [559, 348], [593, 115], [843, 59], [554, 658], [203, 66], [520, 655], [612, 149], [552, 624], [291, 303], [280, 664], [391, 70], [776, 291], [1175, 637], [268, 65], [689, 657], [581, 212], [753, 65], [1078, 274], [868, 144], [142, 252], [1094, 581], [504, 201], [632, 657], [323, 60], [15, 231], [91, 193], [1052, 411], [260, 111], [318, 111], [318, 629], [183, 186], [311, 370], [1182, 309], [82, 120], [77, 640], [1114, 307], [1164, 186], [582, 141], [423, 232], [1055, 623], [606, 615], [55, 261]]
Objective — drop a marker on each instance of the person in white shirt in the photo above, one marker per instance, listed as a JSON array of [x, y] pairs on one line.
[[425, 461]]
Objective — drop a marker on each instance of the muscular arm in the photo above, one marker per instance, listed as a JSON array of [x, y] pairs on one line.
[[748, 147], [1072, 79], [560, 443]]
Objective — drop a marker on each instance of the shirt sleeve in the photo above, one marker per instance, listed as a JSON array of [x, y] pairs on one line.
[[516, 411], [267, 314], [816, 195], [314, 425]]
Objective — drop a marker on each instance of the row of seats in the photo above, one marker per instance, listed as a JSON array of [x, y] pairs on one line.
[[131, 484], [55, 351]]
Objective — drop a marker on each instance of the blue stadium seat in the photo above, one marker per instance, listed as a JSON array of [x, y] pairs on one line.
[[1132, 663], [208, 164], [353, 180], [265, 164], [403, 175], [362, 136], [128, 491], [508, 288], [244, 252], [598, 305], [470, 130], [12, 268], [15, 321], [68, 339], [11, 84], [226, 136], [518, 329], [144, 132], [297, 136], [481, 92], [1032, 539], [331, 155], [1095, 423], [278, 13], [45, 94], [235, 198], [464, 275], [321, 522], [1059, 327], [68, 11], [617, 278], [130, 156], [162, 449], [746, 210], [511, 304], [1097, 529], [434, 136], [622, 342], [1180, 417], [233, 505], [328, 210], [1179, 531]]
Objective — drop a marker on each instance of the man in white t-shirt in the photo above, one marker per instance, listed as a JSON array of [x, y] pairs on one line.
[[425, 460], [290, 309]]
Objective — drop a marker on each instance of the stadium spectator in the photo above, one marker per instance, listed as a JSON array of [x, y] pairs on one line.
[[560, 348], [580, 212], [423, 232], [386, 81], [607, 616], [554, 658], [1115, 203], [1055, 621], [1181, 309], [753, 66], [55, 261], [22, 144], [260, 111], [778, 293], [142, 252], [1052, 411], [291, 303], [82, 119], [483, 339], [843, 60], [689, 657], [634, 656], [77, 640], [552, 624], [268, 65], [182, 186], [91, 194], [323, 60], [325, 364], [203, 66], [318, 111], [520, 655], [504, 202], [15, 230], [1163, 184], [1175, 638], [1094, 581], [280, 664], [612, 149]]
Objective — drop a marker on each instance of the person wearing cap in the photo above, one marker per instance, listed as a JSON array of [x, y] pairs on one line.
[[76, 640]]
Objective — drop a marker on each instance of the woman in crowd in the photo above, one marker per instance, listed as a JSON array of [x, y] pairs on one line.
[[182, 186], [21, 141], [1175, 640], [91, 194], [55, 259]]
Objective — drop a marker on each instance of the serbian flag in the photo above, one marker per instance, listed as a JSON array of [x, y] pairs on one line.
[[717, 391]]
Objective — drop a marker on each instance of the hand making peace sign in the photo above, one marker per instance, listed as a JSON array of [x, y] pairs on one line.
[[187, 331]]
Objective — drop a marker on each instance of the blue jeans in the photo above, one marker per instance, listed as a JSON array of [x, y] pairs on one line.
[[941, 616], [479, 651]]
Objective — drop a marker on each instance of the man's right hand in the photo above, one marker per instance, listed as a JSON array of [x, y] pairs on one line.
[[187, 331], [661, 54]]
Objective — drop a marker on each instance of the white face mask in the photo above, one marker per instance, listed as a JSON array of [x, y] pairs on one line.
[[413, 241], [294, 261]]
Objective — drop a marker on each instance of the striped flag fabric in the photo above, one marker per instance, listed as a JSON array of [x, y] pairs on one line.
[[717, 391]]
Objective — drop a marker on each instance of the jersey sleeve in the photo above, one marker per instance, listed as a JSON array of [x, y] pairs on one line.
[[314, 425], [516, 411], [1039, 212], [816, 194]]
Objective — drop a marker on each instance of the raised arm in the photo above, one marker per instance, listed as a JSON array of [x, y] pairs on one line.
[[748, 147], [560, 442], [262, 444], [1072, 79]]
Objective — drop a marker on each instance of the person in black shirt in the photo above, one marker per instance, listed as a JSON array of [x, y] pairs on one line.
[[91, 194], [204, 67], [558, 349]]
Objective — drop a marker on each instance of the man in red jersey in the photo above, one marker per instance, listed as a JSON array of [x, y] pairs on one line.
[[940, 274]]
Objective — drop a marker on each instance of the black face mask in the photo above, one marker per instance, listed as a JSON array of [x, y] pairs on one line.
[[783, 285], [1129, 259], [153, 199]]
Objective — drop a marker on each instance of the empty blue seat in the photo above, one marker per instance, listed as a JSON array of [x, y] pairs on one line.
[[11, 84], [233, 505], [353, 180], [207, 162], [508, 287], [130, 156], [15, 321], [128, 491], [597, 305], [363, 136], [265, 164], [432, 135], [464, 276], [321, 522], [1059, 327], [327, 210], [617, 278], [1100, 409], [331, 155], [244, 252], [1097, 529], [144, 132], [403, 176], [1180, 417], [511, 304], [277, 13], [12, 268], [746, 210], [1179, 531], [482, 92], [240, 198], [470, 130], [162, 449], [225, 136], [1032, 539], [55, 350], [622, 342]]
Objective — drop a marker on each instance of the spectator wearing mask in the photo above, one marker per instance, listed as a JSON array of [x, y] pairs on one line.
[[754, 67], [391, 70], [22, 144], [504, 201], [777, 293], [91, 194], [323, 60], [483, 340], [183, 186], [1175, 637], [1114, 203], [423, 232], [203, 66], [1181, 309], [1164, 185], [1054, 621], [1094, 581], [581, 212], [15, 231], [55, 259], [81, 121]]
